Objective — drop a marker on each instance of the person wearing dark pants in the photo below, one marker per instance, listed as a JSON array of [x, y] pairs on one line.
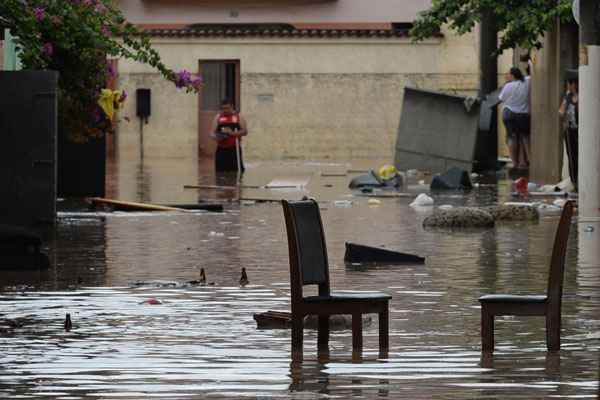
[[228, 128], [569, 111], [516, 117]]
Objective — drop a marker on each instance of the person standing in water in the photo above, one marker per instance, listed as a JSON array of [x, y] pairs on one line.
[[516, 118], [227, 130], [569, 111]]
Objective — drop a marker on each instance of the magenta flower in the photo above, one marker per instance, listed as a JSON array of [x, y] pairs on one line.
[[105, 30], [39, 13], [110, 70], [48, 49], [123, 96], [197, 81], [182, 79]]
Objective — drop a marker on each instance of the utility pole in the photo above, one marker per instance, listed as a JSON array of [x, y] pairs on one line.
[[589, 115]]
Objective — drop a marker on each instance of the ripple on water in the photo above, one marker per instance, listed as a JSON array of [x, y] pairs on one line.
[[201, 341]]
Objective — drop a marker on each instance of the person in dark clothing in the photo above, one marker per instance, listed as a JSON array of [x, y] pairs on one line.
[[569, 111], [228, 128]]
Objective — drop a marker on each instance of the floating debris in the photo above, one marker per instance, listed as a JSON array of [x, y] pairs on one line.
[[283, 320], [152, 301], [244, 278], [422, 200], [68, 324], [358, 253], [342, 203]]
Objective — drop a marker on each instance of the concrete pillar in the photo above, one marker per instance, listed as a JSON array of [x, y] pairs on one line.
[[546, 89], [588, 260], [589, 137], [589, 118]]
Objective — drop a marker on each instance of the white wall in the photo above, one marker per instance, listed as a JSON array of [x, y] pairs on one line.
[[194, 11]]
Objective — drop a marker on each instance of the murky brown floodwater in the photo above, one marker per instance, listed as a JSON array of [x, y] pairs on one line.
[[202, 342]]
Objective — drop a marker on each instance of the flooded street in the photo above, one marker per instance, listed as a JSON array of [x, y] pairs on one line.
[[202, 342]]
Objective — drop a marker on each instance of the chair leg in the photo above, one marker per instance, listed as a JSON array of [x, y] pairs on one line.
[[357, 340], [553, 333], [297, 336], [384, 327], [323, 336], [487, 331]]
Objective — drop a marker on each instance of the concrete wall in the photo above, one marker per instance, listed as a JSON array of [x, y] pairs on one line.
[[317, 99], [240, 11]]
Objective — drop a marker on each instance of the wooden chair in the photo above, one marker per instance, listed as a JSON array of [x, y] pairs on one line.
[[542, 305], [309, 266]]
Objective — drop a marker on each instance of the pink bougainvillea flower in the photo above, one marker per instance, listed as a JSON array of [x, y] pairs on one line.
[[105, 30], [185, 79], [182, 79], [110, 70], [123, 96], [48, 49], [197, 82], [39, 13]]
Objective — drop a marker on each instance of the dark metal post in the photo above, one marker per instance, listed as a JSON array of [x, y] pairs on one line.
[[487, 147]]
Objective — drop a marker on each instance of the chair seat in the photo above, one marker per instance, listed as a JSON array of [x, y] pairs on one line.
[[368, 296], [510, 298]]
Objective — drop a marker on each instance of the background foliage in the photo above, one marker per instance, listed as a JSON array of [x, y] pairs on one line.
[[520, 22], [75, 38]]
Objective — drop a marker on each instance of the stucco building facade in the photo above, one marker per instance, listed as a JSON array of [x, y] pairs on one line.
[[319, 80]]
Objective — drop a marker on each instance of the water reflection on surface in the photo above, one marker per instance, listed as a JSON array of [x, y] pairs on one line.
[[202, 342]]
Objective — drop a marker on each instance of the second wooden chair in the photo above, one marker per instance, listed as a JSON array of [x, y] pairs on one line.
[[548, 305]]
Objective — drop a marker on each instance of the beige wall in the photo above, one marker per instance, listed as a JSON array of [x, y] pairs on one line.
[[325, 99], [546, 146], [240, 11]]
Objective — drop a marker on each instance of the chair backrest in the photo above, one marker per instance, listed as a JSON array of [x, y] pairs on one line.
[[307, 249], [557, 264]]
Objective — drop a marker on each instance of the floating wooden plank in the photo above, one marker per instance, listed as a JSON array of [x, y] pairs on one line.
[[357, 253], [384, 195], [216, 187], [273, 320], [333, 174], [287, 183], [261, 199], [129, 205], [214, 207], [541, 194]]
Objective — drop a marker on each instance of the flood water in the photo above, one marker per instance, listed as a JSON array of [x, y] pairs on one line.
[[202, 342]]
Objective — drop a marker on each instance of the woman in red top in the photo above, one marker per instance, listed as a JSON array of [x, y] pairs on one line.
[[227, 128]]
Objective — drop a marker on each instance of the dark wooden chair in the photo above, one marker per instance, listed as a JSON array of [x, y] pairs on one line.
[[309, 266], [548, 305]]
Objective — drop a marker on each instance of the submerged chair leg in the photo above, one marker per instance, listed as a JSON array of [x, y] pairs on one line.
[[323, 336], [357, 340], [384, 327], [297, 336], [487, 331], [553, 333]]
